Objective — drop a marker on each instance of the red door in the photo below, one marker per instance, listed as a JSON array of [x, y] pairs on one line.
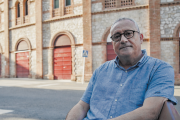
[[22, 65], [110, 52], [62, 63]]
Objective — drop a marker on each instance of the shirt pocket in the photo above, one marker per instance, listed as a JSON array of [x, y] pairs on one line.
[[137, 96]]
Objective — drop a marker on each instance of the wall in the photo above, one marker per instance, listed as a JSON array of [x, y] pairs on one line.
[[72, 25], [97, 56], [170, 18], [46, 8], [45, 63], [100, 22], [16, 34], [96, 7], [167, 52], [79, 60], [163, 1]]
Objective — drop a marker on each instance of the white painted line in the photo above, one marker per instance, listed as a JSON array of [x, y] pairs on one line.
[[46, 85], [5, 111]]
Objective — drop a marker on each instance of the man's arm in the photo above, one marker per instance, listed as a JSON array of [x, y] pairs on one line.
[[149, 111], [78, 112]]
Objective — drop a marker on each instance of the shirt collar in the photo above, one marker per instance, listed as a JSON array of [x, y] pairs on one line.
[[140, 62]]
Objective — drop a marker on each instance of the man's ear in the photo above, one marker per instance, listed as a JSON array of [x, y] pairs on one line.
[[141, 38]]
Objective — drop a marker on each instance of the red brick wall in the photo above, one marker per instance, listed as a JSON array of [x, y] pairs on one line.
[[154, 25]]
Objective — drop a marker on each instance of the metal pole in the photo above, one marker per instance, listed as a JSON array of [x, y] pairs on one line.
[[83, 71]]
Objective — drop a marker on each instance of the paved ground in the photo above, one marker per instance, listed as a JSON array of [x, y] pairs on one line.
[[28, 99], [32, 99]]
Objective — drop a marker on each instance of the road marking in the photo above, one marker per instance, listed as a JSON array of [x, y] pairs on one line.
[[46, 85], [5, 111]]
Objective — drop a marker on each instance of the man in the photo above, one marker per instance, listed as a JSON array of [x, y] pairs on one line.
[[133, 86]]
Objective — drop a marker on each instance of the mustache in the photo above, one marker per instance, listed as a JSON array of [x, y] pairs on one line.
[[124, 46]]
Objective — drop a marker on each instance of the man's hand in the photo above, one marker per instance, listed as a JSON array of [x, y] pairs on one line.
[[79, 111], [149, 111]]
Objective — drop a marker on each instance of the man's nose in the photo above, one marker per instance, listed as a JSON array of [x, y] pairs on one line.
[[123, 39]]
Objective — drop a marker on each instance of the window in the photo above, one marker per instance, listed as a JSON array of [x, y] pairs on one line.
[[68, 2], [26, 7], [126, 2], [117, 3], [18, 10], [56, 4], [110, 3]]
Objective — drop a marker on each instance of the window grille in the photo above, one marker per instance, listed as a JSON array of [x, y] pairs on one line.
[[110, 3], [68, 10], [26, 19], [68, 2], [126, 2], [56, 12], [18, 21], [56, 4]]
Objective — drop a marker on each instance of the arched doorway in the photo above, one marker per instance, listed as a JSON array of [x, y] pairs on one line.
[[0, 60], [62, 58], [110, 51], [22, 60]]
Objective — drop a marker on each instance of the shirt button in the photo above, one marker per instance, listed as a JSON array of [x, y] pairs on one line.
[[110, 116], [121, 85], [126, 71], [115, 99]]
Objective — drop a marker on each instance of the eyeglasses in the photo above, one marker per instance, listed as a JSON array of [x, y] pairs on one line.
[[127, 34]]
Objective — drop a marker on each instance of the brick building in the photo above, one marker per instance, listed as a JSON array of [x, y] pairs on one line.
[[45, 38]]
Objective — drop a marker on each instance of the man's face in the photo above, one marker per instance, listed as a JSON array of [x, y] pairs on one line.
[[127, 47]]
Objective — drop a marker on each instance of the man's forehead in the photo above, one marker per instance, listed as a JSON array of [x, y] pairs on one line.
[[126, 24]]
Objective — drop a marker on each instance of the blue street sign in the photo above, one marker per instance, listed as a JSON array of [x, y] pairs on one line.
[[85, 53]]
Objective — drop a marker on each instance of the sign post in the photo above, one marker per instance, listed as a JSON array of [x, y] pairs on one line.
[[84, 54]]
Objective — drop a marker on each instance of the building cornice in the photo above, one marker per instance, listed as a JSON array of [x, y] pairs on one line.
[[21, 26], [170, 4], [170, 39], [62, 18], [122, 9], [1, 31]]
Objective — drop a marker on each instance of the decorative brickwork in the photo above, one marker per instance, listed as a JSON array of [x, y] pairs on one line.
[[154, 23], [87, 38]]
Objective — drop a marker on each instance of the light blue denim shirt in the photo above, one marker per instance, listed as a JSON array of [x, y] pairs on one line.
[[114, 91]]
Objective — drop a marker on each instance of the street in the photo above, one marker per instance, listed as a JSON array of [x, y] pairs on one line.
[[35, 99]]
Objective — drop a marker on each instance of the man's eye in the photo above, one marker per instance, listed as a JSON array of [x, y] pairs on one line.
[[116, 36], [128, 33]]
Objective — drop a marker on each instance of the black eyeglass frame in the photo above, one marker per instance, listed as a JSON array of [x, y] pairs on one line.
[[124, 35]]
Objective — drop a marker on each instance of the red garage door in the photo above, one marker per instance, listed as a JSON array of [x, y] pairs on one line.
[[62, 63], [22, 65], [110, 52]]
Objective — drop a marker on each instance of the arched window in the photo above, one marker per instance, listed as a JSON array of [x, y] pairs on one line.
[[18, 9], [56, 4], [26, 7], [68, 2]]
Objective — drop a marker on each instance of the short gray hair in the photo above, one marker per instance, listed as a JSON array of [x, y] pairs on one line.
[[120, 19]]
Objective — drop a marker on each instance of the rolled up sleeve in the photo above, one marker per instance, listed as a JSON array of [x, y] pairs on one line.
[[161, 83]]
